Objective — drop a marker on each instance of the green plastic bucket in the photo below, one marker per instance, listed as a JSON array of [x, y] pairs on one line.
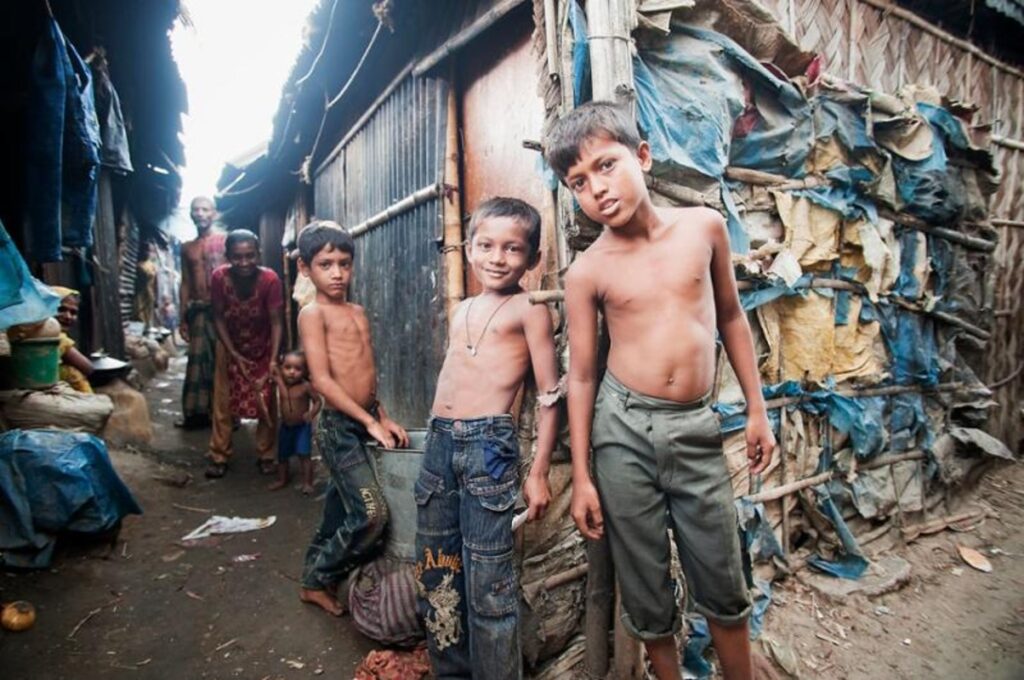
[[35, 363]]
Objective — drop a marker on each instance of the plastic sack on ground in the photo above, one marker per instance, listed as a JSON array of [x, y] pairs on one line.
[[51, 483], [61, 407]]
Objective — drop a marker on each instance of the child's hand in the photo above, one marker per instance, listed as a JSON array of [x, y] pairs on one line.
[[760, 444], [537, 495], [401, 436], [381, 434], [586, 510]]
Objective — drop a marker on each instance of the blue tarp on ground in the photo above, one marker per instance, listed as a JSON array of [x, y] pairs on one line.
[[54, 482]]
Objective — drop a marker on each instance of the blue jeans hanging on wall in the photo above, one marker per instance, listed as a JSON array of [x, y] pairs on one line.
[[63, 158]]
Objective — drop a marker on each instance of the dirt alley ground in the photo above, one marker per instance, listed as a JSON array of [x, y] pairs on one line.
[[148, 608]]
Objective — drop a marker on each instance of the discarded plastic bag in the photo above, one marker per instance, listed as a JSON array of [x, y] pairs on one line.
[[219, 524]]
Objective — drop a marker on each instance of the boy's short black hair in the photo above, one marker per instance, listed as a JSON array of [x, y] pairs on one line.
[[239, 236], [503, 206], [317, 235], [565, 139]]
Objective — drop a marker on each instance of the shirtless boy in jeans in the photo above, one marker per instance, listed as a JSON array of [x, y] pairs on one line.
[[663, 279], [468, 588], [339, 355]]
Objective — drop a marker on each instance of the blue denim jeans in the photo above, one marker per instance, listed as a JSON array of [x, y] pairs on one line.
[[466, 576], [63, 149], [355, 513]]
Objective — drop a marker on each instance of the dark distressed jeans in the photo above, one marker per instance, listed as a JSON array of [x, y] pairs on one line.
[[355, 513], [468, 589]]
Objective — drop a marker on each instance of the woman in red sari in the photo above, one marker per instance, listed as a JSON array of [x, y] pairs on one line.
[[247, 314]]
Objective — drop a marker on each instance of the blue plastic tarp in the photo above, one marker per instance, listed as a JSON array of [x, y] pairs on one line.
[[23, 299], [54, 482]]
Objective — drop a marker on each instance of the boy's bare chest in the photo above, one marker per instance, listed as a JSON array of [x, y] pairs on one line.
[[348, 334], [637, 281]]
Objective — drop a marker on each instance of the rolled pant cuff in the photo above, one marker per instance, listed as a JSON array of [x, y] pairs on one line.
[[727, 620], [631, 628]]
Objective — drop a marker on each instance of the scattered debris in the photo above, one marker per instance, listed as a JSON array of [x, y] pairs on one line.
[[81, 623], [974, 559], [190, 508], [782, 655], [225, 645], [957, 571], [297, 665], [178, 480], [906, 642], [251, 557], [171, 557], [228, 525], [195, 596], [882, 610], [886, 575], [392, 664]]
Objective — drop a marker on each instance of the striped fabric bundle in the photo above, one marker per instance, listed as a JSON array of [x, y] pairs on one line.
[[382, 600]]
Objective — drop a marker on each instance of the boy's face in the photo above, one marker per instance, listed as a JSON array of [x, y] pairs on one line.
[[67, 312], [330, 271], [202, 213], [608, 180], [244, 258], [292, 369], [500, 253]]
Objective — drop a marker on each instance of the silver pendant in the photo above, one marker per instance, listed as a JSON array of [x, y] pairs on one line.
[[472, 350]]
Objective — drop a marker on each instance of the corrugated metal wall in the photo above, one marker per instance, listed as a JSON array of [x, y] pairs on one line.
[[399, 268]]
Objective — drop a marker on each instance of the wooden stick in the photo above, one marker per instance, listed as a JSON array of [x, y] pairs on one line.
[[551, 36], [677, 192], [936, 525], [813, 480], [911, 18], [543, 297], [190, 508], [1015, 224]]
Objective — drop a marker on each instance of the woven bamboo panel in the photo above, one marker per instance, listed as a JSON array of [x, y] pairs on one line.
[[876, 54], [944, 67], [919, 58], [979, 90], [822, 26]]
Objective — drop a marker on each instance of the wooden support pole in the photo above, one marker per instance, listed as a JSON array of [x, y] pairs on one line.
[[463, 37], [597, 615], [451, 206], [1008, 142]]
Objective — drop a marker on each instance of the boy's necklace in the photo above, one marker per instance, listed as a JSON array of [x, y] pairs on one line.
[[473, 347]]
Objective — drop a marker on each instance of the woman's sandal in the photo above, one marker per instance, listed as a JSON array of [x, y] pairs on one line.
[[267, 466], [216, 470]]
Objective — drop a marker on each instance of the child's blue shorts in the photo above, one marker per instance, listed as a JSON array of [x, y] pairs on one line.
[[294, 440]]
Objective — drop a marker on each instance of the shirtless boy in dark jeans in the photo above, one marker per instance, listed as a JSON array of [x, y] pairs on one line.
[[336, 340], [663, 279], [466, 491]]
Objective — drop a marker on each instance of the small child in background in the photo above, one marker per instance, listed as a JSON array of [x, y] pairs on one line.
[[298, 406]]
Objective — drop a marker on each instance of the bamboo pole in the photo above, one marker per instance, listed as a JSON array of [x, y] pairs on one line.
[[1014, 224], [1008, 142], [611, 66], [551, 36], [463, 37], [677, 192], [454, 272], [414, 199], [787, 489]]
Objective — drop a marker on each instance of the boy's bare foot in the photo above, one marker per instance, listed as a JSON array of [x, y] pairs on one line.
[[279, 484], [322, 599], [307, 489]]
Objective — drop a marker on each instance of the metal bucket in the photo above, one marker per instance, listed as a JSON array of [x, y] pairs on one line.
[[397, 470]]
